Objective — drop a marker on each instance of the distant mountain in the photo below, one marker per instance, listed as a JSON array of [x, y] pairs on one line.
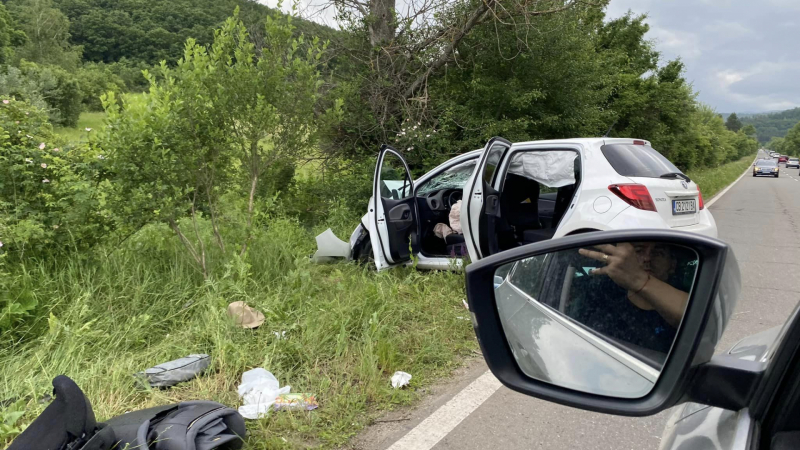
[[749, 114], [150, 31], [769, 125]]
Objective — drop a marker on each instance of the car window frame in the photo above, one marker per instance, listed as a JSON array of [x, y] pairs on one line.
[[436, 173]]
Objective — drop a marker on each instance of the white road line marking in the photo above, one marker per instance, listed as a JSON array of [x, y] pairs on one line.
[[439, 424], [720, 194]]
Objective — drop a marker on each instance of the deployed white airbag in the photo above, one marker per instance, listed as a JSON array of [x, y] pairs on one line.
[[552, 168]]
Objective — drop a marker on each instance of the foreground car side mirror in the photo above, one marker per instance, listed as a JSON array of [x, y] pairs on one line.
[[620, 322]]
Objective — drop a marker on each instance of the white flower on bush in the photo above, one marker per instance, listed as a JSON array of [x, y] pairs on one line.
[[101, 157], [28, 160], [44, 166], [45, 180], [88, 129], [427, 135], [29, 136], [56, 149], [42, 146], [5, 102], [1, 243]]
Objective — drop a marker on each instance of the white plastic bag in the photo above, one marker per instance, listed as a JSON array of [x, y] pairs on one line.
[[258, 391], [400, 379]]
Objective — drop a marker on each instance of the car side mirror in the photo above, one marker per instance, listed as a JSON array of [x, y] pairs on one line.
[[616, 322]]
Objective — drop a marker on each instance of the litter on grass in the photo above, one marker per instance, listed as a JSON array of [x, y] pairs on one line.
[[400, 379], [173, 372], [296, 402], [245, 316], [259, 391]]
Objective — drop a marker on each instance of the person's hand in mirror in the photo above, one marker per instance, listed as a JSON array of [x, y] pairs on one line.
[[643, 270]]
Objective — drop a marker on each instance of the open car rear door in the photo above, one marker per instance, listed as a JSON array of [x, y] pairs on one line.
[[482, 208], [393, 217]]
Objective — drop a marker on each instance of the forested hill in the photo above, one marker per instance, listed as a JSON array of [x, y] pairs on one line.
[[773, 125], [153, 30]]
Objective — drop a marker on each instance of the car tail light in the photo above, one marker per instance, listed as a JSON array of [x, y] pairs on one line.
[[638, 142], [635, 195], [700, 197]]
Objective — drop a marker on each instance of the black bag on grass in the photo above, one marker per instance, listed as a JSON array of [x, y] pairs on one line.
[[67, 423], [195, 425]]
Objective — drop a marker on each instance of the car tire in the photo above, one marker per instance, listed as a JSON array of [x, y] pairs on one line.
[[754, 175], [777, 175], [362, 251]]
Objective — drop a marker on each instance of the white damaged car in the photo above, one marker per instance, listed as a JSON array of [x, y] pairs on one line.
[[517, 194]]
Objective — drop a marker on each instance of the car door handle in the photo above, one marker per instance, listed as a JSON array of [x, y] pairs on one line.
[[492, 205]]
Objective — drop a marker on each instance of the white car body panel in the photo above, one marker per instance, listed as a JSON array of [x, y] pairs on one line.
[[593, 206]]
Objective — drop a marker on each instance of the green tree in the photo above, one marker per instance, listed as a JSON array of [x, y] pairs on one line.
[[212, 127], [791, 144], [773, 124], [10, 35], [776, 144], [47, 29], [749, 130], [733, 123]]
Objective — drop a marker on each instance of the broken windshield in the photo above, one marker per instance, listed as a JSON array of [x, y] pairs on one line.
[[453, 178]]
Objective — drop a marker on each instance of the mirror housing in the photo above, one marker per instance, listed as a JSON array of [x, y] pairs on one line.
[[711, 303]]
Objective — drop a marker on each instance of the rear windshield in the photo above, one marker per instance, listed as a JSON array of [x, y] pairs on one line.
[[637, 161]]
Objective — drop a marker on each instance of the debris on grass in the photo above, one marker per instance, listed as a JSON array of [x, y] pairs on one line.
[[400, 379]]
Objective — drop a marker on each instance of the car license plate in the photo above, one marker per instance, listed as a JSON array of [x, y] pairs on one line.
[[684, 207]]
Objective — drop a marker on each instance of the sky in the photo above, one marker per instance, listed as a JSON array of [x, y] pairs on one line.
[[740, 55]]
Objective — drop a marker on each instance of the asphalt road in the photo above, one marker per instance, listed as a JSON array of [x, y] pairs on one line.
[[759, 217]]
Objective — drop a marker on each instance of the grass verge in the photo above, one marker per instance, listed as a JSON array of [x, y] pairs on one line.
[[348, 329], [92, 120], [711, 181]]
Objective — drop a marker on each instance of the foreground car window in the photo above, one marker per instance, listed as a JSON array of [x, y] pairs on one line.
[[637, 161]]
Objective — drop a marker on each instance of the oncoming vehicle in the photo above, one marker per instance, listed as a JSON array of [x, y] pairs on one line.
[[517, 194], [793, 162], [766, 167], [625, 322]]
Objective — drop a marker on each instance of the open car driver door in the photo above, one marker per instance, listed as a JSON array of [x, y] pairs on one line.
[[393, 221], [479, 215]]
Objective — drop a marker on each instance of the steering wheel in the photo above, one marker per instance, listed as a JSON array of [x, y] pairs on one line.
[[454, 197]]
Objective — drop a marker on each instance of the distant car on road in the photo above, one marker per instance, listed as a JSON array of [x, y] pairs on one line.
[[783, 159], [766, 167], [793, 162]]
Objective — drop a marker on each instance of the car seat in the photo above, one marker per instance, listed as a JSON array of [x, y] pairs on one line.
[[563, 200], [519, 210]]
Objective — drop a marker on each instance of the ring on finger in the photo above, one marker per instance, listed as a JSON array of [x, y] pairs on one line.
[[605, 257]]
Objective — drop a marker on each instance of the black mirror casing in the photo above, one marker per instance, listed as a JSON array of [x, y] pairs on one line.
[[711, 303]]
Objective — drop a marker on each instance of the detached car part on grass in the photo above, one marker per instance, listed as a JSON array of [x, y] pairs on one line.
[[517, 194]]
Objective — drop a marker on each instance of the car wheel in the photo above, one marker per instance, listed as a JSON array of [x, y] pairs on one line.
[[362, 253], [777, 175], [754, 175]]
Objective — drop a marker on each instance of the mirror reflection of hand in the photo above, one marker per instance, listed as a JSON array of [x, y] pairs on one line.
[[622, 265]]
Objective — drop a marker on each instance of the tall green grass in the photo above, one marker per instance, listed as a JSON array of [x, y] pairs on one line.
[[711, 181], [91, 120], [128, 307]]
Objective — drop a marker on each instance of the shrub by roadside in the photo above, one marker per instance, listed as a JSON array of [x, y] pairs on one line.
[[101, 319]]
